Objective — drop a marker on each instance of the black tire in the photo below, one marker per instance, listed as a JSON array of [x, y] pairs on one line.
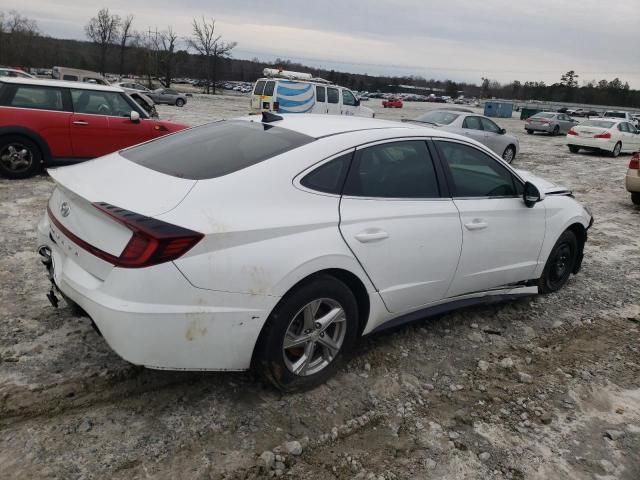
[[616, 150], [270, 358], [19, 157], [560, 263], [635, 198], [574, 149], [509, 154], [530, 132], [179, 102], [556, 131]]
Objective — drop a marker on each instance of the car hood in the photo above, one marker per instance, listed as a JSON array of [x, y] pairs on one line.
[[546, 186]]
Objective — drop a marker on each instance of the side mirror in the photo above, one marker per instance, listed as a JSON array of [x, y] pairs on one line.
[[531, 195], [502, 131], [357, 102], [134, 116]]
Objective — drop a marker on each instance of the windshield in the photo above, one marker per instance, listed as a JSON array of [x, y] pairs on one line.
[[597, 123], [215, 149], [441, 118]]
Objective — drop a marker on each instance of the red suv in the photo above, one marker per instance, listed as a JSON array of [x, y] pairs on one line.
[[46, 122]]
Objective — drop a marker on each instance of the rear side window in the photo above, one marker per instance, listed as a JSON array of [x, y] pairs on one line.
[[333, 95], [215, 149], [328, 178], [71, 78], [393, 170], [32, 96], [472, 122], [320, 95], [269, 88], [259, 88]]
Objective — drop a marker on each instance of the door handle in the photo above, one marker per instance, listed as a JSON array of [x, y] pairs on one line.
[[476, 224], [80, 122], [371, 235]]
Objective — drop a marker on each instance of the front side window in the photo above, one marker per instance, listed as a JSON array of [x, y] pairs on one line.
[[215, 149], [31, 96], [170, 92], [333, 95], [95, 102], [348, 98], [489, 126], [320, 94], [393, 170], [472, 123], [475, 174]]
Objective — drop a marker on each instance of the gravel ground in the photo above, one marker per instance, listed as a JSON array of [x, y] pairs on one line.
[[545, 387]]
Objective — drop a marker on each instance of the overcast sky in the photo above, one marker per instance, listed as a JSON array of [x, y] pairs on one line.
[[459, 39]]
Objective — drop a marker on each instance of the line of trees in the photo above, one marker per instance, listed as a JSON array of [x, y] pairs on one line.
[[115, 46]]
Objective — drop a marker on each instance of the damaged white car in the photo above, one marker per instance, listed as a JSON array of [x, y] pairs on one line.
[[274, 242]]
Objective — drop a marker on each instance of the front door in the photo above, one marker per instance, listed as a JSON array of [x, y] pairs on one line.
[[406, 236], [501, 237], [492, 136], [333, 101], [348, 102]]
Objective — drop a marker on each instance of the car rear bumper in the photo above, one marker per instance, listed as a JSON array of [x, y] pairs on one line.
[[590, 142], [156, 318], [632, 181], [539, 127]]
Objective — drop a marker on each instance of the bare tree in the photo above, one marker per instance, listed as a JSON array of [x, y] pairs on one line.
[[103, 31], [209, 45], [126, 33], [19, 32], [167, 46]]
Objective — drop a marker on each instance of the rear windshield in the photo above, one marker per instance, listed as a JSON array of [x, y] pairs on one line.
[[615, 115], [215, 149], [441, 118], [597, 123], [544, 115]]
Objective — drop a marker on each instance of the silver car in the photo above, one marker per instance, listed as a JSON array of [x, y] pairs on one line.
[[478, 127], [168, 96], [549, 122]]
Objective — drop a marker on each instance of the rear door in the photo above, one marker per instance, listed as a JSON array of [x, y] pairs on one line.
[[403, 230], [501, 237], [333, 101], [256, 98]]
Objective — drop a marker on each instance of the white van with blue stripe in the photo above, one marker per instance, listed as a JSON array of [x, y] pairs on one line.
[[292, 92]]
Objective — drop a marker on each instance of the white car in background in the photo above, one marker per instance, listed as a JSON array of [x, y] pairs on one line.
[[276, 242], [609, 135]]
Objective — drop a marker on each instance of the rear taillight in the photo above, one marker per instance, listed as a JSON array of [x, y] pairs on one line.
[[603, 135], [276, 106], [572, 132], [634, 163], [153, 241]]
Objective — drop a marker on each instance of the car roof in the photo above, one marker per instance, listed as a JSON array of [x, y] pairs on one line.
[[61, 83], [609, 119], [319, 126]]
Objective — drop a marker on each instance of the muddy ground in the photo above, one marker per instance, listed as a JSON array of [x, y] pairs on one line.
[[544, 387]]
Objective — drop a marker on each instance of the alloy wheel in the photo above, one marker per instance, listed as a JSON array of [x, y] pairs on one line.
[[314, 337], [16, 157]]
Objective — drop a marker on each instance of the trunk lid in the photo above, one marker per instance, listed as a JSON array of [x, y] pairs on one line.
[[118, 182]]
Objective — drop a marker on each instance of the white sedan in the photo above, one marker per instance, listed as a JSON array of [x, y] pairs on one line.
[[610, 135], [276, 242]]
